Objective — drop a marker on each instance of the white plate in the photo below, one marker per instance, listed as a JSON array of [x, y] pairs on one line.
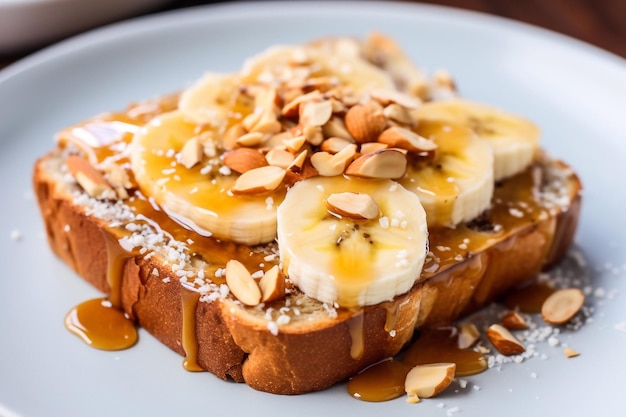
[[27, 24], [574, 91]]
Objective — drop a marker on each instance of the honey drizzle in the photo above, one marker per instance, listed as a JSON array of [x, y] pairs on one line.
[[189, 300], [355, 327], [384, 381]]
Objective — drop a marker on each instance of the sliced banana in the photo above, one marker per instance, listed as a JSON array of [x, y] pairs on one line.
[[297, 63], [199, 197], [515, 141], [351, 260], [211, 100], [456, 185]]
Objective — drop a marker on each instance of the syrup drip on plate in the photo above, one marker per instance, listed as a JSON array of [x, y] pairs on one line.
[[102, 326], [384, 381]]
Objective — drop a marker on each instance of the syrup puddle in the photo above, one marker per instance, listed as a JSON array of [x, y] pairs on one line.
[[101, 326]]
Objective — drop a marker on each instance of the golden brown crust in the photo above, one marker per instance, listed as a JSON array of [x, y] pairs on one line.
[[235, 342]]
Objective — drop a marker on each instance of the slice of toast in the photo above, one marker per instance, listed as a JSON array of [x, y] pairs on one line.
[[297, 344]]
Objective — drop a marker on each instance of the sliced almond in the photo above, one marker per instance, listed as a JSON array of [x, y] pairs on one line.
[[191, 154], [512, 320], [229, 140], [427, 381], [298, 162], [301, 172], [334, 145], [251, 139], [386, 163], [562, 305], [370, 147], [259, 180], [336, 127], [313, 134], [244, 159], [365, 122], [388, 96], [295, 144], [252, 119], [399, 114], [504, 341], [468, 335], [315, 113], [267, 124], [241, 283], [570, 353], [329, 165], [272, 285], [359, 206], [279, 158], [89, 178], [400, 137], [292, 108]]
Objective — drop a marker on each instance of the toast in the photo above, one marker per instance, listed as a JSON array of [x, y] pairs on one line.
[[172, 281]]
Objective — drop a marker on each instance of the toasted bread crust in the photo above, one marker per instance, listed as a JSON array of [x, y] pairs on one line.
[[235, 342]]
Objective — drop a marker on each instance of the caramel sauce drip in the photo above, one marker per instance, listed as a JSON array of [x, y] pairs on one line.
[[189, 301], [381, 382], [100, 325], [384, 381], [355, 326]]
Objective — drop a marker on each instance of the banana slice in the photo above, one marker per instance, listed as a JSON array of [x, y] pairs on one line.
[[211, 100], [281, 63], [358, 257], [456, 185], [198, 197], [515, 141]]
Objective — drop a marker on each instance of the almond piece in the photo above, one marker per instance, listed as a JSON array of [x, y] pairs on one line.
[[329, 165], [229, 140], [400, 137], [370, 147], [357, 206], [298, 162], [241, 283], [313, 134], [250, 139], [244, 159], [191, 154], [279, 158], [272, 285], [336, 127], [386, 163], [292, 108], [334, 145], [365, 122], [504, 341], [399, 114], [259, 180], [468, 335], [295, 144], [427, 381], [562, 305], [512, 320], [267, 124], [570, 353], [315, 113], [89, 178], [387, 96]]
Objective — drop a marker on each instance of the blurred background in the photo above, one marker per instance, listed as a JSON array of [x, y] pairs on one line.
[[28, 25]]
